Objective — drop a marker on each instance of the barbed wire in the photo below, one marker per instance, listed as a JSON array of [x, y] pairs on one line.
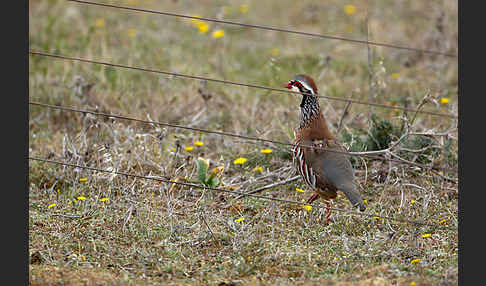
[[358, 154], [286, 91], [268, 28], [423, 223]]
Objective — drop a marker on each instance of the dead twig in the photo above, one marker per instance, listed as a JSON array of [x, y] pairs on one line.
[[129, 215], [207, 226], [345, 112], [263, 188], [422, 103]]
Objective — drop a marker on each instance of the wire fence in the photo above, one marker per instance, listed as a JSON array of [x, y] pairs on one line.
[[252, 138], [256, 139], [268, 28], [280, 90], [374, 216]]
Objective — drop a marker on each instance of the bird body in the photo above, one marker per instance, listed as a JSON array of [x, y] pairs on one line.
[[318, 156]]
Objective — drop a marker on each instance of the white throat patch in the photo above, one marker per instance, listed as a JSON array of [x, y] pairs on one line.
[[294, 88]]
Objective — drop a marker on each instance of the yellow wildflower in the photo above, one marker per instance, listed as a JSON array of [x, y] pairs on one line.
[[218, 34], [240, 219], [83, 179], [81, 198], [299, 190], [189, 148], [415, 261], [412, 283], [104, 199], [258, 169], [412, 202], [218, 169], [307, 207], [132, 33], [426, 235], [365, 202], [377, 217], [195, 22], [266, 151], [395, 75], [349, 9], [239, 161], [51, 205], [442, 222], [100, 23], [244, 8], [203, 27], [198, 143], [444, 100]]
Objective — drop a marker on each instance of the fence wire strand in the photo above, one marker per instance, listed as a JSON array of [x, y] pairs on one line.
[[270, 28], [280, 90], [416, 222], [262, 27], [358, 154]]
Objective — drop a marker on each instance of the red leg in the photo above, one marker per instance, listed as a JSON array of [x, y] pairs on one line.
[[328, 214], [312, 198], [328, 205]]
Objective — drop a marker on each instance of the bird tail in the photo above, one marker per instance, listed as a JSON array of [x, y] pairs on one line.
[[354, 197]]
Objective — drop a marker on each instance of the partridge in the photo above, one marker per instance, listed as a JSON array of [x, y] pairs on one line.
[[321, 169]]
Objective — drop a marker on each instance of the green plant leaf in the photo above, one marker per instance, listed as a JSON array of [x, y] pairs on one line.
[[202, 167], [212, 181]]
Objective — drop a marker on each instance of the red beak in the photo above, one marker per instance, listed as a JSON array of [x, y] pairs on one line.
[[288, 85]]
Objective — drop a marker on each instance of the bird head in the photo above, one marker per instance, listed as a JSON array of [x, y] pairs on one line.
[[303, 84]]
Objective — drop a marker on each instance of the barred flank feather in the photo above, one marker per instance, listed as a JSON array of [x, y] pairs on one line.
[[306, 172]]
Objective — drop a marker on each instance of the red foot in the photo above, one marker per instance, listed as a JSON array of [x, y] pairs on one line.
[[328, 214]]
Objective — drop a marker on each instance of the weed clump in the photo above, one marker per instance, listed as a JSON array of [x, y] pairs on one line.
[[417, 148]]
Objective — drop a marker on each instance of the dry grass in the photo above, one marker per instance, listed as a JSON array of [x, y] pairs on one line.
[[149, 232]]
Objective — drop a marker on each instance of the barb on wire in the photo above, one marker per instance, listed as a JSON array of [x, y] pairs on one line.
[[359, 154], [239, 193], [269, 28], [286, 91]]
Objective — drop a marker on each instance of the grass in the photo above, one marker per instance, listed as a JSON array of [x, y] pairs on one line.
[[149, 232]]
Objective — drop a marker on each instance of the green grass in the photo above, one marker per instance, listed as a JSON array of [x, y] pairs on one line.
[[149, 232]]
